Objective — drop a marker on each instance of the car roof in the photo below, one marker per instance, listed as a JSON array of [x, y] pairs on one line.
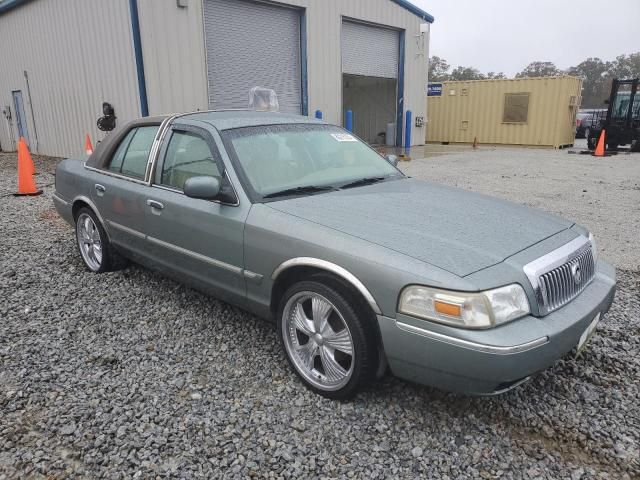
[[230, 119]]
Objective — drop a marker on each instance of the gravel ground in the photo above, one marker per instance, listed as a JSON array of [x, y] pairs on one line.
[[131, 375]]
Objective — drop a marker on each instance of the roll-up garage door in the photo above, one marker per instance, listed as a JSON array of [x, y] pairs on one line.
[[369, 51], [251, 44]]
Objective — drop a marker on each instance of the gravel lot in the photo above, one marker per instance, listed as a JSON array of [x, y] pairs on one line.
[[131, 375]]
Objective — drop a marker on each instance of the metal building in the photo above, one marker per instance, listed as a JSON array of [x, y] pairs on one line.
[[61, 59], [522, 111]]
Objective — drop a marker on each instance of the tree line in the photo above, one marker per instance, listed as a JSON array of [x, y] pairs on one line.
[[596, 74]]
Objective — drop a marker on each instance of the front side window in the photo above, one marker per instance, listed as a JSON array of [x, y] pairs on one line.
[[280, 157], [188, 155], [132, 154]]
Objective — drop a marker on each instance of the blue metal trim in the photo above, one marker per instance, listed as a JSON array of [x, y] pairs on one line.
[[11, 4], [137, 48], [303, 62], [400, 104], [415, 10], [407, 132]]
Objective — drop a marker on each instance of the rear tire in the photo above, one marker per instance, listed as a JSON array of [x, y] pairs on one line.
[[328, 342], [96, 251], [591, 142]]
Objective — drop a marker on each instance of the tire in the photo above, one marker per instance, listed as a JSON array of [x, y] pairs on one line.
[[635, 145], [586, 133], [96, 251], [329, 342], [591, 143]]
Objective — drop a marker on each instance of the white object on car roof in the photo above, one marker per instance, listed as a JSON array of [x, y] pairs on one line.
[[263, 100]]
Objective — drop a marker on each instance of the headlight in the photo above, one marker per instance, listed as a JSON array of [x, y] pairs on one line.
[[594, 247], [468, 310]]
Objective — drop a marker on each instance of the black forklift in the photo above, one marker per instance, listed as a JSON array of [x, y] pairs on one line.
[[621, 120]]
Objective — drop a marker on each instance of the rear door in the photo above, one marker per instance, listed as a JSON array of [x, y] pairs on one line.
[[120, 190], [200, 240]]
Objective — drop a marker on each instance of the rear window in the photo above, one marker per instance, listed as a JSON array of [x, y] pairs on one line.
[[132, 154]]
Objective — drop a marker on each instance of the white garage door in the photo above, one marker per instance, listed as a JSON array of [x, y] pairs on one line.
[[252, 44], [369, 50]]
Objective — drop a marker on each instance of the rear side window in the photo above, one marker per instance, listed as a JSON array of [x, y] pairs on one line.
[[132, 154], [188, 155]]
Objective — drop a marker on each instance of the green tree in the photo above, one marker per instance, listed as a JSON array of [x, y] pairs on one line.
[[496, 75], [596, 81], [438, 69], [626, 66], [540, 69], [466, 73]]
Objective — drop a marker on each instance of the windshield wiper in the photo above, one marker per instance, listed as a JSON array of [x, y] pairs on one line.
[[299, 191], [364, 181]]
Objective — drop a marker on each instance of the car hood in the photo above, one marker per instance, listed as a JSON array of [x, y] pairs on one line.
[[456, 230]]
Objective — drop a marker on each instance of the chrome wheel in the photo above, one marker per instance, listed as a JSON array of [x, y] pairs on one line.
[[89, 241], [318, 341]]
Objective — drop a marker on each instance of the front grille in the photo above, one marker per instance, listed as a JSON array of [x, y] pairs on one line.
[[564, 283]]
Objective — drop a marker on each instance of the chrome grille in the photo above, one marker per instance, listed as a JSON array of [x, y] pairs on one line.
[[560, 285], [559, 277]]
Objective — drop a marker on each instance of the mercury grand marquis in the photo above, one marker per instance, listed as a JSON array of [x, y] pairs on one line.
[[362, 268]]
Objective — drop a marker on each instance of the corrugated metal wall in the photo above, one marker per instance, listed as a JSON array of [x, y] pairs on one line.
[[474, 109], [173, 48], [179, 32], [78, 53]]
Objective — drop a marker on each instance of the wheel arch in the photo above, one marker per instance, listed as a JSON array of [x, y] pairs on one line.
[[82, 201], [302, 267]]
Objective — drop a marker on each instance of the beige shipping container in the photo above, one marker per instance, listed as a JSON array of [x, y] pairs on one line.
[[537, 112]]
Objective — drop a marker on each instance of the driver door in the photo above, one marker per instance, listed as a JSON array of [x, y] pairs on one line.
[[199, 240]]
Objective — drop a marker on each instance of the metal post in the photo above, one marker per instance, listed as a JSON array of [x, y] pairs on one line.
[[407, 134], [319, 114], [349, 121]]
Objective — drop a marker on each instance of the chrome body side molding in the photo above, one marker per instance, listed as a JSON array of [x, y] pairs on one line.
[[333, 268], [197, 256], [479, 347]]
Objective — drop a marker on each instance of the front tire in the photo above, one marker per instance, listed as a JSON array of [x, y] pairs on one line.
[[96, 251], [328, 342]]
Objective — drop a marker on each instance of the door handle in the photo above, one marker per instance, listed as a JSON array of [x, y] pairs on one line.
[[100, 189], [154, 204]]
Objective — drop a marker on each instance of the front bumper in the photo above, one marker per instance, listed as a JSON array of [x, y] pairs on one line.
[[491, 361]]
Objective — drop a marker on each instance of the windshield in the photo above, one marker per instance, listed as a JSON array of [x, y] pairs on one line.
[[280, 158]]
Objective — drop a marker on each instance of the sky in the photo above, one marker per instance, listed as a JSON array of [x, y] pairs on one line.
[[506, 35]]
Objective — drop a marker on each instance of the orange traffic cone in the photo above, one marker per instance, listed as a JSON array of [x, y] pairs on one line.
[[23, 142], [87, 145], [600, 150], [26, 183]]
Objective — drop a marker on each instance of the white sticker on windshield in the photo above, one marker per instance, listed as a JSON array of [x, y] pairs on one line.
[[344, 137]]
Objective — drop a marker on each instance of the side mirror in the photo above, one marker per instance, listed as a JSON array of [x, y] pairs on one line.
[[204, 188], [392, 159]]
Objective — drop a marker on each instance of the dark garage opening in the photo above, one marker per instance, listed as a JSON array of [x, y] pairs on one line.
[[373, 103]]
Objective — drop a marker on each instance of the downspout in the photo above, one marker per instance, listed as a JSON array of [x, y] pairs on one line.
[[137, 49], [33, 117]]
